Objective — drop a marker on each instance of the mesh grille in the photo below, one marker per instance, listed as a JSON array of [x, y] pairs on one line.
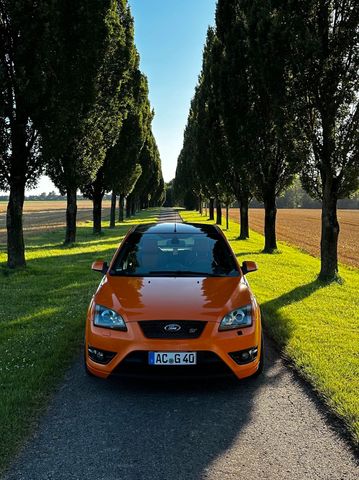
[[172, 329]]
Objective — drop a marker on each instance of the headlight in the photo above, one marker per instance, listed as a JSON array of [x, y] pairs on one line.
[[107, 318], [238, 318]]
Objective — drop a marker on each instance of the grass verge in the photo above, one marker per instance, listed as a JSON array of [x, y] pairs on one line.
[[316, 325], [42, 316]]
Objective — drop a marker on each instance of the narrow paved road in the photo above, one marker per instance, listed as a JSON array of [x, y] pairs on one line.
[[169, 215], [266, 428]]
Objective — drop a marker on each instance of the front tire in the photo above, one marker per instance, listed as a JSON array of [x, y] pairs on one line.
[[261, 360], [87, 371]]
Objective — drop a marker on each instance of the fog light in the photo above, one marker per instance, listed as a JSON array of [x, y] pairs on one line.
[[100, 356], [244, 356]]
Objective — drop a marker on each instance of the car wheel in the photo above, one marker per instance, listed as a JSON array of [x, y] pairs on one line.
[[261, 360], [86, 368]]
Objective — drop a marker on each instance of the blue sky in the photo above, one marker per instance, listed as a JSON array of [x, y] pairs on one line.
[[170, 36]]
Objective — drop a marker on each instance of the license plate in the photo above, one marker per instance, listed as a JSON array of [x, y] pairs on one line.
[[172, 358]]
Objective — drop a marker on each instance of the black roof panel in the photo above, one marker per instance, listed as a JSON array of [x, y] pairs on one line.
[[176, 228]]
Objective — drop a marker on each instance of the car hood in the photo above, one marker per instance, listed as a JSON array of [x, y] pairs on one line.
[[173, 298]]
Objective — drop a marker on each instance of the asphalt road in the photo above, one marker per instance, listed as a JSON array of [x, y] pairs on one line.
[[268, 428], [169, 215]]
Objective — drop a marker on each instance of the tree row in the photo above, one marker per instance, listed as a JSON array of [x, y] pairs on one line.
[[277, 98], [73, 105]]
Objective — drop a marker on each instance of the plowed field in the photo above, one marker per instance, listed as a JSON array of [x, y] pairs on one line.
[[301, 227], [45, 216]]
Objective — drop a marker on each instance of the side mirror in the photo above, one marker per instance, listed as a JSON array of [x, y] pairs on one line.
[[100, 266], [249, 267]]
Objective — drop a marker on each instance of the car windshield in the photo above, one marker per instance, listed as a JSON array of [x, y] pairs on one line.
[[175, 254]]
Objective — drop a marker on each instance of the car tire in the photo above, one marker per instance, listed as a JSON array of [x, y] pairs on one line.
[[261, 360], [86, 368]]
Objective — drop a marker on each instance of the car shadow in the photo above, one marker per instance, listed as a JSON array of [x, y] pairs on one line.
[[170, 429]]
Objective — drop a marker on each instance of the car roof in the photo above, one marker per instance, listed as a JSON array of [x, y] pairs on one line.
[[193, 228]]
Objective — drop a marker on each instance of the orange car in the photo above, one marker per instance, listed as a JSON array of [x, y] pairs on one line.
[[174, 301]]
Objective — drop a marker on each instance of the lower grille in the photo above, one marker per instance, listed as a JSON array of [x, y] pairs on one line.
[[208, 364], [172, 329]]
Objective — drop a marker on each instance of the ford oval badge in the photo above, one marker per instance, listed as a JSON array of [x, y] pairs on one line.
[[172, 327]]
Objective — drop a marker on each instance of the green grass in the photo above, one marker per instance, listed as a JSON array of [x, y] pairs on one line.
[[315, 324], [42, 316], [43, 308]]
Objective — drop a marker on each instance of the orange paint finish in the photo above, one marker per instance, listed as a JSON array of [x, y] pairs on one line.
[[205, 299]]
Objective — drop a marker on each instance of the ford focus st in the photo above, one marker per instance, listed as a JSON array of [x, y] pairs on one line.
[[174, 301]]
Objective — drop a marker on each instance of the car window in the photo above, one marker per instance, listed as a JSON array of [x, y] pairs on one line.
[[172, 253]]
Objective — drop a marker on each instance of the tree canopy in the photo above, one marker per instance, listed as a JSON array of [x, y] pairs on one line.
[[277, 96]]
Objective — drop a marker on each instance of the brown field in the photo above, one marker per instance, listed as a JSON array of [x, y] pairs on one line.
[[45, 216], [301, 227], [298, 227]]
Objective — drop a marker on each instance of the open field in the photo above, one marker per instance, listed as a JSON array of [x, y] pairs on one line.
[[316, 324], [301, 227], [298, 227], [47, 216]]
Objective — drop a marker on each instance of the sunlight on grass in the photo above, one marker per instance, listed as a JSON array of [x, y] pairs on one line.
[[317, 325]]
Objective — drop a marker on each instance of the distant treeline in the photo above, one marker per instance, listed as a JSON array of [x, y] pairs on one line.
[[50, 196], [296, 197]]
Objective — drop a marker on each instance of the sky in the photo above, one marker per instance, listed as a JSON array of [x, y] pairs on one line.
[[169, 36]]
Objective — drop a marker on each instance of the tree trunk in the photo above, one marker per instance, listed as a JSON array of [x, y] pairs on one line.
[[270, 243], [19, 164], [218, 212], [133, 207], [97, 212], [330, 234], [211, 209], [200, 204], [330, 225], [113, 210], [15, 237], [71, 212], [121, 201], [227, 216], [128, 207], [244, 222]]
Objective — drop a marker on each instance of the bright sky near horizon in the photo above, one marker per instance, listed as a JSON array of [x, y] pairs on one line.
[[170, 36]]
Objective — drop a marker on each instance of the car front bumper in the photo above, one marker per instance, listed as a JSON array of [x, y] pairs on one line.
[[213, 351]]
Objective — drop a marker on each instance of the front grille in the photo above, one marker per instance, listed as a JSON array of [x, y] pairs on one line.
[[208, 364], [172, 329]]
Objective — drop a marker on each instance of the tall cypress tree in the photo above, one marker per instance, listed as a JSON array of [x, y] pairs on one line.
[[120, 169], [232, 86], [88, 64], [205, 151], [124, 158], [259, 109]]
